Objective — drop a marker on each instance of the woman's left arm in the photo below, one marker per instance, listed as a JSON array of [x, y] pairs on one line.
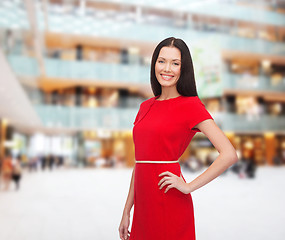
[[227, 157]]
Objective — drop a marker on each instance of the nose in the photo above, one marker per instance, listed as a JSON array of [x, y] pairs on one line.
[[167, 67]]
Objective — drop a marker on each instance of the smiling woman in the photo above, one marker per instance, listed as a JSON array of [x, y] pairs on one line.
[[167, 67], [163, 128]]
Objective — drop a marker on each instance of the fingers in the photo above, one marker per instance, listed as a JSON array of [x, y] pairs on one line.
[[166, 181], [124, 232], [170, 179], [121, 231], [126, 235], [163, 179], [166, 173], [168, 187]]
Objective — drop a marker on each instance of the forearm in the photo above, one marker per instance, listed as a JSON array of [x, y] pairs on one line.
[[130, 199], [222, 162]]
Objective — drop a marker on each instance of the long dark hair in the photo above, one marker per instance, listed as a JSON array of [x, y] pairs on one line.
[[186, 84]]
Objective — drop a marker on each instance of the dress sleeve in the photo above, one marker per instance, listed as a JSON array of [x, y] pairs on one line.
[[198, 114]]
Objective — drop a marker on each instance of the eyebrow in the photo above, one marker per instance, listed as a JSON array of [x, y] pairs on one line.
[[172, 59]]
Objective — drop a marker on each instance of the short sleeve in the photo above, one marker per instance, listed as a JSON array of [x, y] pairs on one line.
[[198, 114]]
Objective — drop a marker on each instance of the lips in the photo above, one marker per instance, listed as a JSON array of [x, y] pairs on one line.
[[166, 77]]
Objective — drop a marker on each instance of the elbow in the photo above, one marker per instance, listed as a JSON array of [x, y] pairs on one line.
[[233, 158], [230, 157]]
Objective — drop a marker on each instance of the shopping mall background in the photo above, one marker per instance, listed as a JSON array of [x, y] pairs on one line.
[[74, 72]]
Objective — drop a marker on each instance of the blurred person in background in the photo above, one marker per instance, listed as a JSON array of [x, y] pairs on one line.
[[240, 167], [277, 159], [245, 167], [250, 168], [283, 156], [17, 172], [211, 156], [51, 161], [120, 162], [235, 167], [100, 162], [163, 128], [24, 160], [60, 161], [43, 160], [111, 161], [6, 171], [33, 163], [9, 42], [193, 163]]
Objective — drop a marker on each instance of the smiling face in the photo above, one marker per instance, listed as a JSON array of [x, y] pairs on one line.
[[168, 66]]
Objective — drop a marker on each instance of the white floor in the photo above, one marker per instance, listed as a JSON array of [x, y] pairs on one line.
[[85, 204]]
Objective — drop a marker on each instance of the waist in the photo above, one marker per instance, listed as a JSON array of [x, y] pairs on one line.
[[151, 161]]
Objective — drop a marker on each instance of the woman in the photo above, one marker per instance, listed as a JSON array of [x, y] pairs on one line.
[[163, 128], [17, 172], [7, 169]]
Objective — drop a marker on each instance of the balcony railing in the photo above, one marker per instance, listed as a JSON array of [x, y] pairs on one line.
[[14, 17], [123, 118], [251, 82], [250, 123], [85, 70], [215, 9], [126, 73], [86, 118], [14, 10]]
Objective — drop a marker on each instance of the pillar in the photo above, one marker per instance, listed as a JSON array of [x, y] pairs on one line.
[[270, 147]]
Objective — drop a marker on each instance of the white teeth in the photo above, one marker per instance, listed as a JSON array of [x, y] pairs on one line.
[[166, 77]]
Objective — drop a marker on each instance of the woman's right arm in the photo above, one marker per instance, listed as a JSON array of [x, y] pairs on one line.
[[125, 222], [130, 199]]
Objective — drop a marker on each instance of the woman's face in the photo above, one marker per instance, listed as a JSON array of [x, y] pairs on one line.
[[168, 66]]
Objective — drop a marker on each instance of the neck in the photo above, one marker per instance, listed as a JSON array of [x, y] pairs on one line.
[[168, 93]]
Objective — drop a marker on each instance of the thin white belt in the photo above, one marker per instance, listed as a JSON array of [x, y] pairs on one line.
[[147, 161]]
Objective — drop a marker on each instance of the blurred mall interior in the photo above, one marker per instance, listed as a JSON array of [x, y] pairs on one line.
[[74, 72]]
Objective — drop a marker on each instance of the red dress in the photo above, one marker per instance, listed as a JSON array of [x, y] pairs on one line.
[[162, 131]]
